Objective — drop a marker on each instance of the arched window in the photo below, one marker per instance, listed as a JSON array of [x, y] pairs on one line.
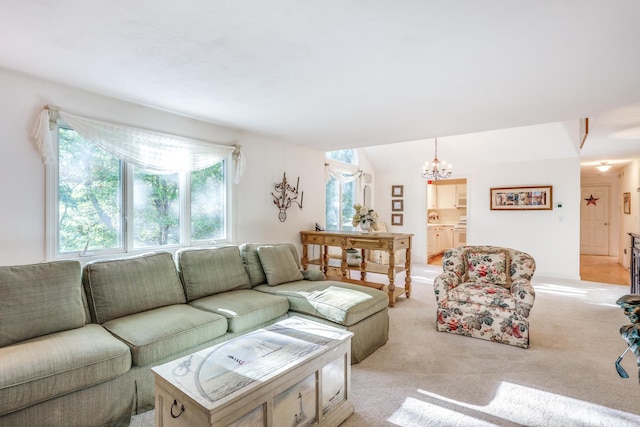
[[344, 156], [342, 167]]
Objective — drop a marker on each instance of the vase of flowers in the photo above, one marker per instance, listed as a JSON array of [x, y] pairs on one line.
[[364, 217]]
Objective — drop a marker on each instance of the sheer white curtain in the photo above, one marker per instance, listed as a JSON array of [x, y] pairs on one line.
[[341, 173], [154, 151]]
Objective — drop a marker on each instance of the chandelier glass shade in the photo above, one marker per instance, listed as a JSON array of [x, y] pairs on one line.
[[437, 169], [603, 167]]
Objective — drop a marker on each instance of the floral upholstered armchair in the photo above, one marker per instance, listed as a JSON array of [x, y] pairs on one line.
[[485, 292]]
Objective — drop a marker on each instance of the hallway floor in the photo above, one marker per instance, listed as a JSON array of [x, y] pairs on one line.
[[593, 268], [604, 269]]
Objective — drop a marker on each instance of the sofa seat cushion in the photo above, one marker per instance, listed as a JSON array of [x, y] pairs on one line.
[[244, 309], [161, 332], [342, 303], [56, 364], [40, 299], [489, 295]]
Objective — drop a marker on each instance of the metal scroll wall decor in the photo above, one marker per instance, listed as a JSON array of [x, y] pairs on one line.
[[286, 194]]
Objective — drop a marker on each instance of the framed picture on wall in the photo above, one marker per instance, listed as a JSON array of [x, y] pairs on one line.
[[626, 202], [397, 190], [396, 219], [397, 205], [521, 198]]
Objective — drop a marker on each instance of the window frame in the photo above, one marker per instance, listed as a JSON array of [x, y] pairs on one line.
[[127, 173]]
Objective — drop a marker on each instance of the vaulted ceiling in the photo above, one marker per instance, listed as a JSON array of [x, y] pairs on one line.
[[349, 73]]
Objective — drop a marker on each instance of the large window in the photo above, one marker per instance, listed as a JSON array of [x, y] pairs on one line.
[[340, 190], [105, 205]]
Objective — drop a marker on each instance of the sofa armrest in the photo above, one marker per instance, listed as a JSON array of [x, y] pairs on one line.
[[443, 283], [524, 295]]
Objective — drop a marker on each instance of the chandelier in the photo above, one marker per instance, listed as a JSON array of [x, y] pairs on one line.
[[603, 167], [437, 170]]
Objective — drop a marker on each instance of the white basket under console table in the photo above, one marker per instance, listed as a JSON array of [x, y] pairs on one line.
[[389, 242], [294, 372]]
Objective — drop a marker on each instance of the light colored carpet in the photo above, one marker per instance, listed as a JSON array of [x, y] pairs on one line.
[[567, 377]]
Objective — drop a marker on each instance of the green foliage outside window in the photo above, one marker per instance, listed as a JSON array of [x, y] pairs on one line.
[[339, 196], [89, 196], [90, 202], [208, 203]]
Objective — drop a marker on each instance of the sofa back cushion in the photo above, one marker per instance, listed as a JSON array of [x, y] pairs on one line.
[[252, 262], [40, 299], [211, 271], [121, 287]]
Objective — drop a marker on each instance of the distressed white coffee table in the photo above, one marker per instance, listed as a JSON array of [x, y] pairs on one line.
[[293, 373]]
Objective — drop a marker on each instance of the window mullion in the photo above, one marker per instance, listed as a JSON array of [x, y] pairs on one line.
[[127, 208], [185, 208], [51, 203]]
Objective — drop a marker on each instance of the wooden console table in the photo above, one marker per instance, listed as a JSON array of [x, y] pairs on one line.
[[389, 242]]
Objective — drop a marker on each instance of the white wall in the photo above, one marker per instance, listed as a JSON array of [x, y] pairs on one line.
[[22, 214], [532, 155], [628, 181], [552, 237]]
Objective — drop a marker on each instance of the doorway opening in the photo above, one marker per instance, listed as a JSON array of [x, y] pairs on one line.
[[597, 264]]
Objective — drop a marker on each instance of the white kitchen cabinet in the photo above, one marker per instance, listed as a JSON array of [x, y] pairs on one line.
[[439, 239], [445, 239], [446, 196], [431, 196], [461, 196], [431, 241]]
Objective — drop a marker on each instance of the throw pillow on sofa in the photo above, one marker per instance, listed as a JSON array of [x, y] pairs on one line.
[[279, 265], [251, 260]]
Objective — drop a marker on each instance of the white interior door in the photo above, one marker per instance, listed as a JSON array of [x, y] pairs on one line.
[[594, 220]]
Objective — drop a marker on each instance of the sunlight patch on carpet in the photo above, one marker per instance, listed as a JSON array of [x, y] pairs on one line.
[[512, 404]]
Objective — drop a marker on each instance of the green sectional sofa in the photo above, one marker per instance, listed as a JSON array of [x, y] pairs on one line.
[[77, 342]]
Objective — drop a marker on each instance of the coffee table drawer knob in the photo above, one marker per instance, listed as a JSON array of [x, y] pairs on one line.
[[175, 403]]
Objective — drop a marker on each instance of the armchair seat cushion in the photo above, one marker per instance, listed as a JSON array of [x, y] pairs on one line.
[[477, 321], [489, 295]]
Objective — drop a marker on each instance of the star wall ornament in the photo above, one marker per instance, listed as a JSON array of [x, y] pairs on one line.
[[592, 200]]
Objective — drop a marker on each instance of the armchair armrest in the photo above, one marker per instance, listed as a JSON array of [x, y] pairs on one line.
[[443, 283], [524, 295]]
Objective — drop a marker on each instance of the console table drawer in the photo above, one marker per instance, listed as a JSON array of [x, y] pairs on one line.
[[315, 240], [365, 243], [332, 240]]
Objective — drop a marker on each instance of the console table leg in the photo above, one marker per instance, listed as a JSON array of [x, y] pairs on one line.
[[407, 278]]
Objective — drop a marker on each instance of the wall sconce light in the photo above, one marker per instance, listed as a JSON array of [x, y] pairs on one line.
[[287, 195]]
